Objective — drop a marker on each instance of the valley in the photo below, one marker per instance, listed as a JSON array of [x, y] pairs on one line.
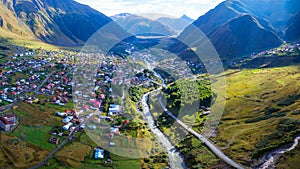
[[80, 89]]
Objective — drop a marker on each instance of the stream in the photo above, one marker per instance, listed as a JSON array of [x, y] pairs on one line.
[[176, 160], [270, 159]]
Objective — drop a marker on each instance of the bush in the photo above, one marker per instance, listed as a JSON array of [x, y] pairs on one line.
[[146, 160], [257, 119], [272, 110], [296, 112]]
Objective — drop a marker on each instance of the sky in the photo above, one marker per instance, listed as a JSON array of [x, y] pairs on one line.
[[175, 8]]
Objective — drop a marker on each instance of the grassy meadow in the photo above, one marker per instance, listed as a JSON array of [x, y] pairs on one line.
[[258, 104]]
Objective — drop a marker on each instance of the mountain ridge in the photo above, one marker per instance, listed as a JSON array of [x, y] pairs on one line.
[[216, 19], [66, 23], [138, 25]]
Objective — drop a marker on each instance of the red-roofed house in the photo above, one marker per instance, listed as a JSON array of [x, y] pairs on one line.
[[6, 122]]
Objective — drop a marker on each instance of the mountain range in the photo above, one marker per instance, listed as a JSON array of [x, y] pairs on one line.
[[240, 27], [234, 27], [139, 25], [292, 32], [177, 24], [59, 22]]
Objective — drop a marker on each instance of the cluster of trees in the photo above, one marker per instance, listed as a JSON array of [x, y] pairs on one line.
[[135, 93], [195, 153], [186, 92], [265, 117], [289, 100], [160, 158]]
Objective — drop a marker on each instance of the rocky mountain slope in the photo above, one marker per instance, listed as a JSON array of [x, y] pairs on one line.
[[60, 22]]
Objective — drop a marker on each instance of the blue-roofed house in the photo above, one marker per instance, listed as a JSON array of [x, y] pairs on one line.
[[99, 153]]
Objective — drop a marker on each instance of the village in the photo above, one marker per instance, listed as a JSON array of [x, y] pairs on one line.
[[83, 103]]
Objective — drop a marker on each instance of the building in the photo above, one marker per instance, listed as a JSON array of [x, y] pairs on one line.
[[8, 121], [67, 126], [113, 109], [99, 153], [67, 119], [54, 140]]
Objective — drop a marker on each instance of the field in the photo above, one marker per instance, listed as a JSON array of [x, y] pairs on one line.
[[256, 102]]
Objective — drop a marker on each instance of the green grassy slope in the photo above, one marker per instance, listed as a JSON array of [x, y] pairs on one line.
[[257, 101]]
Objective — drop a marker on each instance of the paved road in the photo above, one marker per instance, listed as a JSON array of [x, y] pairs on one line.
[[207, 142], [44, 81], [71, 135], [176, 160], [57, 148]]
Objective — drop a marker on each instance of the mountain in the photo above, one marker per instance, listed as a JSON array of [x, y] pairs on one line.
[[177, 24], [292, 32], [242, 35], [276, 12], [137, 25], [215, 24], [186, 18], [60, 22]]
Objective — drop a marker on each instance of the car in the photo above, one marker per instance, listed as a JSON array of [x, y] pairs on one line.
[[165, 110]]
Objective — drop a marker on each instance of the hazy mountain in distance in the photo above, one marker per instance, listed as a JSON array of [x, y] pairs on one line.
[[188, 19], [60, 22], [292, 32], [177, 24], [138, 25]]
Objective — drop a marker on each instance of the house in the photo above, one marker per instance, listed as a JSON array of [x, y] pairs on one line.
[[115, 130], [99, 153], [54, 140], [61, 114], [8, 121], [113, 109], [96, 120], [67, 126], [205, 114], [92, 127], [67, 119]]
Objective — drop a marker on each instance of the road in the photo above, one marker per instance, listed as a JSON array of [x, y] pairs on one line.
[[42, 163], [207, 142], [71, 135], [176, 160], [44, 81]]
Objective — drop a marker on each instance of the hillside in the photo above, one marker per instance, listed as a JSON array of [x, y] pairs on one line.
[[231, 42], [65, 23], [177, 24], [276, 13], [242, 35], [261, 107], [292, 32], [136, 25]]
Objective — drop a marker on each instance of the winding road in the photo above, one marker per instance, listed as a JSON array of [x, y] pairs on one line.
[[206, 141]]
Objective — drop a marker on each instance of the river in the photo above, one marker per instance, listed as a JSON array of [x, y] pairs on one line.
[[176, 160], [268, 161]]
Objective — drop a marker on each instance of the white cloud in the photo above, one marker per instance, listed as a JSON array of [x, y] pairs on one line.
[[176, 8]]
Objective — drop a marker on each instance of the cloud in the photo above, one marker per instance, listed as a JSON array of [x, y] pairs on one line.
[[176, 8]]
